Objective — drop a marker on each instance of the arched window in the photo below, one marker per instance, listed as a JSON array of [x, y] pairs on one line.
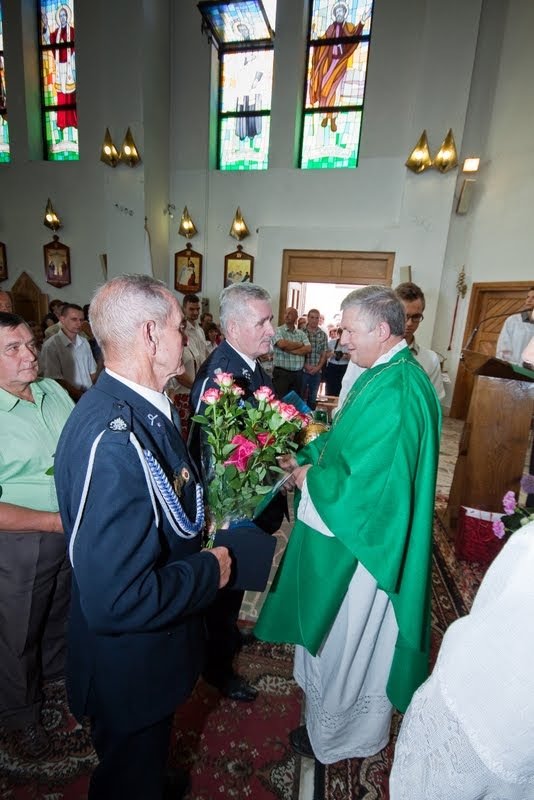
[[338, 49], [4, 130], [243, 31], [58, 80]]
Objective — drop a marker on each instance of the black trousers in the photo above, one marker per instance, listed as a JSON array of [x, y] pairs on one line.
[[224, 638], [286, 380], [131, 765]]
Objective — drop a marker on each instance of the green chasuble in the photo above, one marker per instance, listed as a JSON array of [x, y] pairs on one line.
[[373, 484]]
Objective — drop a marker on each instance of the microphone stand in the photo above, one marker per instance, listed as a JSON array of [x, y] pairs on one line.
[[487, 319]]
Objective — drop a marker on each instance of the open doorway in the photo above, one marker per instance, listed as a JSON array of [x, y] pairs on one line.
[[338, 271], [326, 297]]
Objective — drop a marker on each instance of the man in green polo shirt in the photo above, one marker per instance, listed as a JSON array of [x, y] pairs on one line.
[[35, 576]]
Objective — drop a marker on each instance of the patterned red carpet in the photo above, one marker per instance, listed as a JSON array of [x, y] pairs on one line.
[[454, 585], [241, 750], [237, 750], [233, 750]]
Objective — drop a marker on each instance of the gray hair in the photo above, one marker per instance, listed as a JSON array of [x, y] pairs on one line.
[[234, 301], [121, 306], [378, 304]]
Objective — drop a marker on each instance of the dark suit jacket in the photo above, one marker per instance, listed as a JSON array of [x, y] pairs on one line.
[[225, 359], [136, 632]]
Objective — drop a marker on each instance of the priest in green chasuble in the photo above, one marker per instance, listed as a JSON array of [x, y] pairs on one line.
[[353, 589]]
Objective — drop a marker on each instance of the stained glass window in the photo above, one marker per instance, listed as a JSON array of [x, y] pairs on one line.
[[4, 130], [338, 49], [58, 80], [243, 31]]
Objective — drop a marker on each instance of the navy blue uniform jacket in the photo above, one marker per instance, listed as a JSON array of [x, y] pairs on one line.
[[136, 630]]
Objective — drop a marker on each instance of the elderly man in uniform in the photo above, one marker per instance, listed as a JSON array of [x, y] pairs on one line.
[[353, 590], [133, 514], [35, 575], [246, 320]]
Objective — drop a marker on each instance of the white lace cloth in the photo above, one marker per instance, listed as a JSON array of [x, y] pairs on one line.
[[347, 712], [469, 730]]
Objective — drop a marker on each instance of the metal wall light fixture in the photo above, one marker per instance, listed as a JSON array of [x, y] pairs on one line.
[[465, 195], [129, 152], [109, 153], [187, 227], [419, 159], [447, 156], [51, 219], [239, 228]]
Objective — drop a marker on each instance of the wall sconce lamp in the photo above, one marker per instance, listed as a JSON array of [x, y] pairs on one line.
[[239, 228], [129, 152], [51, 219], [447, 155], [419, 159], [109, 154], [470, 166], [187, 227]]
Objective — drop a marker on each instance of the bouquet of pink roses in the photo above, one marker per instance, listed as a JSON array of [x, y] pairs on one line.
[[244, 439]]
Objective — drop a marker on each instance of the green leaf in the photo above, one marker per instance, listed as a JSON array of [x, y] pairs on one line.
[[50, 471]]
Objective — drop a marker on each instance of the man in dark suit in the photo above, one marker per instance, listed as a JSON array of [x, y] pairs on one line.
[[133, 515], [246, 321]]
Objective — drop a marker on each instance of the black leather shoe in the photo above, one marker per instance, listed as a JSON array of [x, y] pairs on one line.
[[177, 784], [300, 742], [236, 688]]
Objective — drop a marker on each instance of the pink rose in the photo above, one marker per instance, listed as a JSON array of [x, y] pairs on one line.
[[240, 456], [288, 412], [304, 420], [498, 528], [264, 393], [275, 404], [211, 396], [236, 390], [224, 379], [265, 439], [509, 503]]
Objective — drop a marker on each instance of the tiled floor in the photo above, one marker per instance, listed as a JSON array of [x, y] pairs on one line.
[[450, 437]]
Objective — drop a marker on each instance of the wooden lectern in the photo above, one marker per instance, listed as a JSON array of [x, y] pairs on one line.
[[493, 446]]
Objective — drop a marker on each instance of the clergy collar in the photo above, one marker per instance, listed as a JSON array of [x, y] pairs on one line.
[[250, 361], [390, 353], [158, 399]]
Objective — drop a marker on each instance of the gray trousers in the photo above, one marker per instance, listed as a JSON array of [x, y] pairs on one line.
[[34, 603]]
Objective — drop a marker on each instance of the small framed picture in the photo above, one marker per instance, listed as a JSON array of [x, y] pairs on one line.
[[238, 267], [3, 262], [57, 263], [188, 271]]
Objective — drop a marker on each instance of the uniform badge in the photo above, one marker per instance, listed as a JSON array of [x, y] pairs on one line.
[[179, 480], [245, 373], [118, 424]]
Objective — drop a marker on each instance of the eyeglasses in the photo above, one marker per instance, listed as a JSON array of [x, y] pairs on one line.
[[414, 318]]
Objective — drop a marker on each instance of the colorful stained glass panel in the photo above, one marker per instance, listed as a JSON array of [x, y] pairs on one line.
[[244, 152], [4, 129], [58, 80], [326, 89], [239, 21], [246, 80], [331, 142], [335, 83]]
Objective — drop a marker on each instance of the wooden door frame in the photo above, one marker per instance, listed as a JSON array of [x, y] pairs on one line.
[[383, 276], [464, 380]]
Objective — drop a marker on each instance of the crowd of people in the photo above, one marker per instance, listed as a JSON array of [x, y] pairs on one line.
[[102, 521]]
